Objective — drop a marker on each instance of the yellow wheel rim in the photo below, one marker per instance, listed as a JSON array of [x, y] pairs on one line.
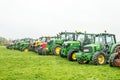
[[101, 59], [25, 50], [57, 50], [74, 56]]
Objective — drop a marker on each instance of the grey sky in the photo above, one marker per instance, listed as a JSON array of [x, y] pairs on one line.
[[33, 18]]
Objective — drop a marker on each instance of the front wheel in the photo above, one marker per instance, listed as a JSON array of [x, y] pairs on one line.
[[99, 58], [80, 61], [25, 50], [56, 49], [71, 55]]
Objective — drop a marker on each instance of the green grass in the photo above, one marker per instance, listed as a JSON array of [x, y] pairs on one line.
[[16, 65]]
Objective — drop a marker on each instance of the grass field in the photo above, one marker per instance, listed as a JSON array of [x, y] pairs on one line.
[[16, 65]]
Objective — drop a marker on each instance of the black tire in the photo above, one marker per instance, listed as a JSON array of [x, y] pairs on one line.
[[44, 52], [40, 51], [36, 49], [82, 61], [96, 57], [54, 49], [71, 55], [30, 48], [112, 59]]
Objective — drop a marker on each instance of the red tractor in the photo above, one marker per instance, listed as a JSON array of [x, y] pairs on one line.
[[115, 58], [45, 40]]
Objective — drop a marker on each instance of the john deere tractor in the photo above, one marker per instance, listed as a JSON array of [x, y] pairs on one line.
[[99, 52], [54, 46], [69, 48], [24, 44]]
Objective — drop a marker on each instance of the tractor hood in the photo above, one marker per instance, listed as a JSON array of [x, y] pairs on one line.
[[71, 42], [93, 46]]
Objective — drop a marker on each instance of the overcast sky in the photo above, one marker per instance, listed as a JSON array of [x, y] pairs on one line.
[[33, 18]]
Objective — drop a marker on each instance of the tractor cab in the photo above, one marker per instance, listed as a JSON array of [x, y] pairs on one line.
[[99, 51], [105, 41]]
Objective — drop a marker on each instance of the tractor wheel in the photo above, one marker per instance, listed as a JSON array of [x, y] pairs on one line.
[[82, 61], [40, 51], [112, 59], [36, 49], [26, 50], [44, 52], [71, 56], [99, 58], [56, 49]]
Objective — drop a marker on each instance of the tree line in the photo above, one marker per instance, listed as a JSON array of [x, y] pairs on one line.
[[3, 41]]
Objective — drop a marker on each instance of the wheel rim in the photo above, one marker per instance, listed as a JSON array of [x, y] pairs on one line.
[[74, 56], [57, 50], [26, 50], [101, 59]]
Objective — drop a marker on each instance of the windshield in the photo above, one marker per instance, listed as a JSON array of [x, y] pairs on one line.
[[110, 39], [99, 40], [104, 39], [62, 36], [70, 37], [43, 39], [80, 37]]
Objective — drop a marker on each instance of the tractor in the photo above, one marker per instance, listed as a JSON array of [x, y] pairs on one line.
[[10, 44], [70, 48], [36, 45], [45, 40], [54, 46], [98, 52], [24, 45], [115, 58]]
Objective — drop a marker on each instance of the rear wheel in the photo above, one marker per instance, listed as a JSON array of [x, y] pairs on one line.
[[56, 49], [112, 59], [71, 55], [99, 58]]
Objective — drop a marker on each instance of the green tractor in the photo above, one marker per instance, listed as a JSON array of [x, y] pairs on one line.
[[70, 48], [16, 44], [98, 52], [54, 46], [24, 45]]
